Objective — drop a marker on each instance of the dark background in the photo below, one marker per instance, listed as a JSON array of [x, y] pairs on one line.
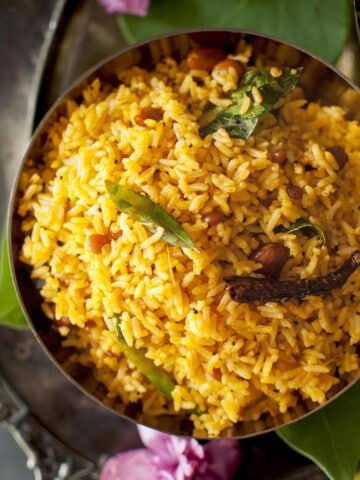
[[23, 24]]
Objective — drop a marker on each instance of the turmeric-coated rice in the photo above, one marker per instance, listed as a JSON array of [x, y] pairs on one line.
[[231, 362]]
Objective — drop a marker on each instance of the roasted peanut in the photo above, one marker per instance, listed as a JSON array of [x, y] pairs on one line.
[[96, 242], [279, 156], [204, 58], [272, 257], [238, 66], [149, 112], [214, 217]]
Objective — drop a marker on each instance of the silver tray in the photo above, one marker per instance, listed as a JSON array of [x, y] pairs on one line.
[[64, 433]]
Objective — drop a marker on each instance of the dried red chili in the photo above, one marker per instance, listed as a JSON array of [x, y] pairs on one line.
[[255, 289]]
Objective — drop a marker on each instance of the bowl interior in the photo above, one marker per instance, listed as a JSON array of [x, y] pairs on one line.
[[319, 81]]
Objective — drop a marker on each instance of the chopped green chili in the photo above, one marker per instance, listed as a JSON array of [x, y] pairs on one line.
[[156, 375], [150, 214]]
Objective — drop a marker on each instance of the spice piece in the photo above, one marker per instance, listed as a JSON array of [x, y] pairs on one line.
[[217, 374], [149, 113], [339, 154], [266, 202], [90, 324], [116, 235], [64, 321], [294, 191], [255, 289]]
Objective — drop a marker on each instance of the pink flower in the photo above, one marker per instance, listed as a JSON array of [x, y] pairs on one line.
[[132, 7], [168, 457]]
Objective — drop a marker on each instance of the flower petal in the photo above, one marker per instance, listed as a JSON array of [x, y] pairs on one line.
[[157, 441], [135, 465], [132, 7], [223, 457]]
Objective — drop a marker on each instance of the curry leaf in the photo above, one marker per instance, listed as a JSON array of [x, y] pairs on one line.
[[271, 90], [10, 310], [330, 437], [156, 375], [144, 210], [303, 224], [319, 26]]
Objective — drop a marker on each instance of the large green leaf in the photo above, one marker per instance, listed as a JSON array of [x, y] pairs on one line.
[[331, 436], [320, 26], [10, 310]]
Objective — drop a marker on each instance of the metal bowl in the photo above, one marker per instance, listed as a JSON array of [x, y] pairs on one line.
[[320, 82]]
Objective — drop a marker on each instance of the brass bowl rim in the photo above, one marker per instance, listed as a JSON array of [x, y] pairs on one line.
[[53, 110]]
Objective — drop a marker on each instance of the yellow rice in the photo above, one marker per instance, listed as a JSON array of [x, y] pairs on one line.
[[232, 362]]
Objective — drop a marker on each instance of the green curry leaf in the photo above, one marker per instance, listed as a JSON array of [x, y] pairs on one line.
[[301, 224], [272, 89], [10, 310], [150, 214], [156, 375], [319, 26], [331, 436]]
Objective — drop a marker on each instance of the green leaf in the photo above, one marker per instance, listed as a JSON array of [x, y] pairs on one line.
[[319, 26], [156, 375], [144, 210], [299, 225], [10, 310], [331, 436], [272, 89]]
